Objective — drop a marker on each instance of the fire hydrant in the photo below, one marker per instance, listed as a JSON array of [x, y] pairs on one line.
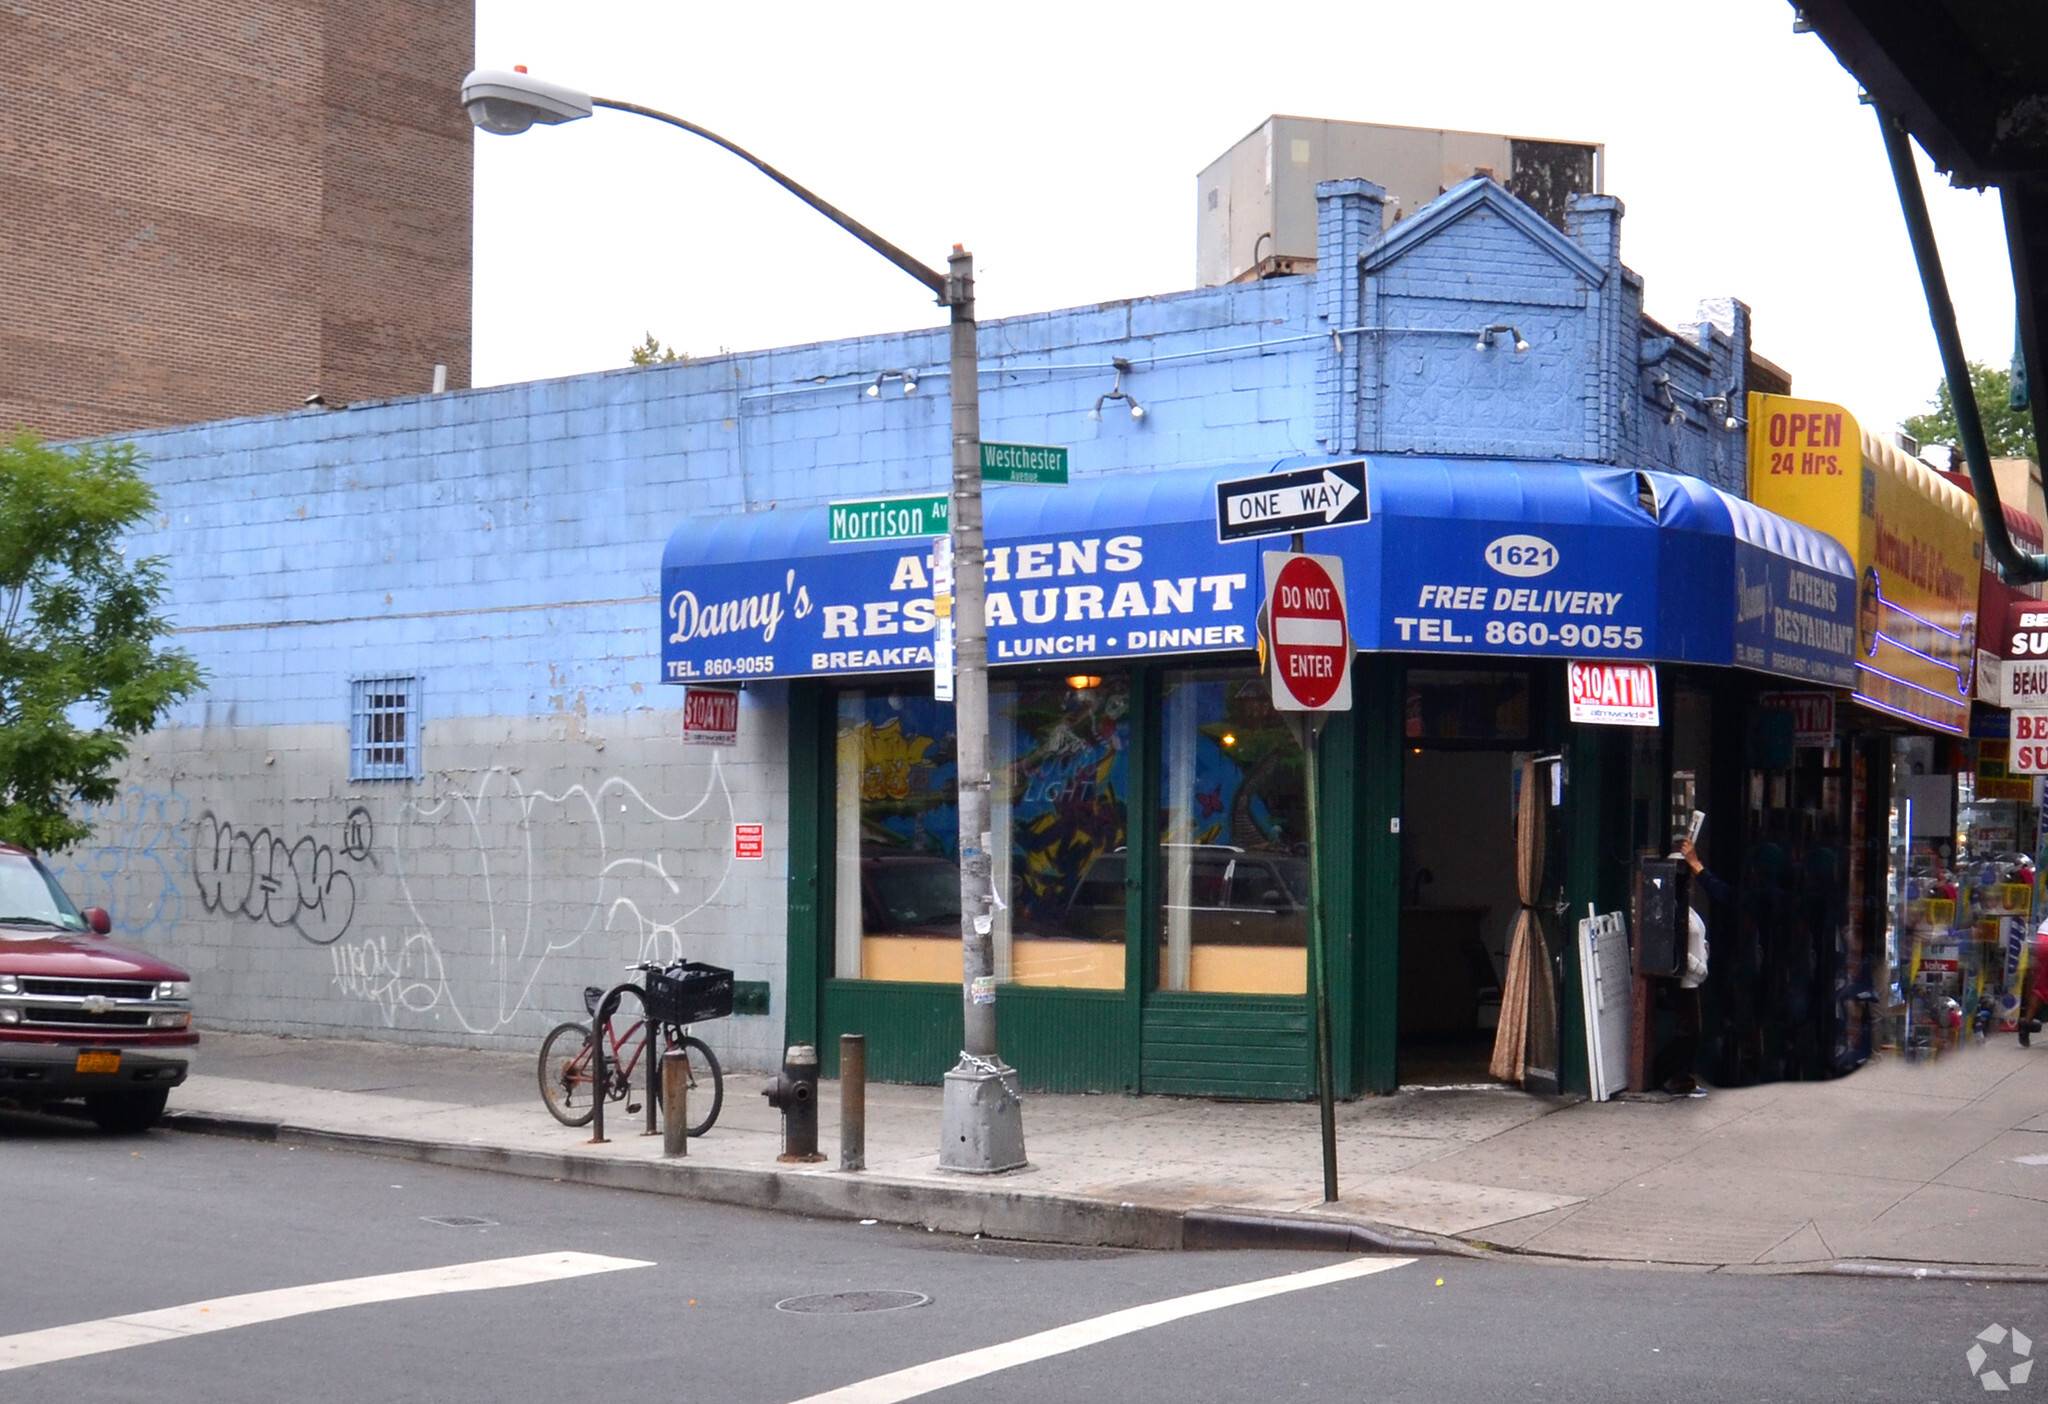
[[794, 1093]]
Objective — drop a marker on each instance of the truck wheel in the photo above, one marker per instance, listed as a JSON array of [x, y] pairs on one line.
[[127, 1113]]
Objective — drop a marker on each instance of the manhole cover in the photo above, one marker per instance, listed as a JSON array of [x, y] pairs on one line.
[[840, 1303], [459, 1221]]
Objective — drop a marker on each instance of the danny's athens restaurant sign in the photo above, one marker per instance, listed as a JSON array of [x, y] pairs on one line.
[[1460, 556]]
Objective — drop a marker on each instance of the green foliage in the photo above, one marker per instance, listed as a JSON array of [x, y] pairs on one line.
[[81, 669], [652, 353], [2008, 433]]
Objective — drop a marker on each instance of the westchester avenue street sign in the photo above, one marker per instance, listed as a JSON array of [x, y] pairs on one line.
[[1280, 504]]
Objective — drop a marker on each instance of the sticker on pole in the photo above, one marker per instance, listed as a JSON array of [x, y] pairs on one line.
[[1311, 638], [711, 716], [1614, 694]]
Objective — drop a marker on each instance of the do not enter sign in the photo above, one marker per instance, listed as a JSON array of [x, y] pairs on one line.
[[1311, 638]]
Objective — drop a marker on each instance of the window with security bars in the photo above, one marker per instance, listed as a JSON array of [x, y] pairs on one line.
[[384, 729]]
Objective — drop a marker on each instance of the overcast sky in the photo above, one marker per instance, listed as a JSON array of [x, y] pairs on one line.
[[1061, 141]]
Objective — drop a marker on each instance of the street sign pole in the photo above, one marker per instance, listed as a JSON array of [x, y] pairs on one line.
[[981, 1120], [1309, 655], [1309, 727]]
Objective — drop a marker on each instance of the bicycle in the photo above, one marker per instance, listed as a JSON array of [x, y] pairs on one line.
[[630, 1018]]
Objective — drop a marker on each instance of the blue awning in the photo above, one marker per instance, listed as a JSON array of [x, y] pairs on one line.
[[1461, 556]]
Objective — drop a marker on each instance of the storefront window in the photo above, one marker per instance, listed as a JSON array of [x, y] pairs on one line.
[[1443, 705], [1059, 754], [1234, 839]]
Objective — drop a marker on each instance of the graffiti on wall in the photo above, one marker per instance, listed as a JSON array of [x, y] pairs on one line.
[[545, 873], [285, 880], [132, 865], [455, 908]]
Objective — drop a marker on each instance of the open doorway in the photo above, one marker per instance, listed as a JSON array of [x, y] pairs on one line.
[[1458, 906]]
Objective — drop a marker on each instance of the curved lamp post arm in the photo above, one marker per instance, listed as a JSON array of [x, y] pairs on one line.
[[2015, 566], [930, 277]]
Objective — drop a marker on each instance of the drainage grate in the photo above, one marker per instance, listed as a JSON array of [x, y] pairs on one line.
[[841, 1303], [458, 1221]]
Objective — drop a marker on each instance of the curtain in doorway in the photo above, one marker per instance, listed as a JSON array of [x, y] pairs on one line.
[[1526, 1039]]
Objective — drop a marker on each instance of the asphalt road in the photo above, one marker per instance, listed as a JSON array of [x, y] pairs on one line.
[[95, 1227]]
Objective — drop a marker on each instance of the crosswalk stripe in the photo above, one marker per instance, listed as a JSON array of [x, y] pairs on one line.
[[955, 1369], [251, 1308]]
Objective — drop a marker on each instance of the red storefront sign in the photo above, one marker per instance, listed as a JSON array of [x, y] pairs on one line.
[[1614, 694], [1813, 715], [711, 716]]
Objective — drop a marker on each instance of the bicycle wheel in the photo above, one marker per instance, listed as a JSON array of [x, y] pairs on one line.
[[707, 1080], [565, 1074]]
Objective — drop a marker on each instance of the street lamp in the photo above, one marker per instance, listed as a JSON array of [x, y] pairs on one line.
[[981, 1125]]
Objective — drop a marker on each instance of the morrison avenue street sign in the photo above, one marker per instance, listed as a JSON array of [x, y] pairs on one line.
[[891, 518]]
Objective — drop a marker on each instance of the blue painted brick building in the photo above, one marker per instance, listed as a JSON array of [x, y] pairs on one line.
[[461, 592]]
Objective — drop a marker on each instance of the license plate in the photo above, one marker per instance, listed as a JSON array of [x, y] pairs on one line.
[[99, 1062]]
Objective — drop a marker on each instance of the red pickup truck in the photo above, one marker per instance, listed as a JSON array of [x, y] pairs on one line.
[[79, 1016]]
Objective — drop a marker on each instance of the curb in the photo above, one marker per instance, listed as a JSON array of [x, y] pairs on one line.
[[1015, 1214], [1012, 1214], [1938, 1274], [1222, 1228]]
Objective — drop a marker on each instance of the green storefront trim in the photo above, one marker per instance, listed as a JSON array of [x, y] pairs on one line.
[[1141, 1039]]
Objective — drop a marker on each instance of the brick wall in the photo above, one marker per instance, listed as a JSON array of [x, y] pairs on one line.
[[216, 208], [504, 547]]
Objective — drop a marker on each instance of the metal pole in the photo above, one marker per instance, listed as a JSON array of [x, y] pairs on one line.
[[650, 1054], [977, 866], [597, 1083], [853, 1102], [675, 1102], [1319, 964], [981, 1126], [2016, 567]]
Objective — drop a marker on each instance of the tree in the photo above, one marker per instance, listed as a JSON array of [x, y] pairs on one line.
[[82, 668], [652, 353], [2008, 433]]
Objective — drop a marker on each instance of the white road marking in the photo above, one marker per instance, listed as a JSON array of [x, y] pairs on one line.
[[956, 1369], [227, 1313]]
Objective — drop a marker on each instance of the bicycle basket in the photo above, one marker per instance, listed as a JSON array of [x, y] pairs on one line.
[[689, 991]]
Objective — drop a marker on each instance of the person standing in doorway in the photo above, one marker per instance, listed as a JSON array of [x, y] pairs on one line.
[[1681, 1056]]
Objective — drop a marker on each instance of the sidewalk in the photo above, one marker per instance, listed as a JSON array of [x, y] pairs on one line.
[[1939, 1165]]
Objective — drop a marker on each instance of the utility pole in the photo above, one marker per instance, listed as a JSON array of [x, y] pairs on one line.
[[981, 1123]]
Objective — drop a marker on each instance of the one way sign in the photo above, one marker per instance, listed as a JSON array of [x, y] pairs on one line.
[[1278, 504]]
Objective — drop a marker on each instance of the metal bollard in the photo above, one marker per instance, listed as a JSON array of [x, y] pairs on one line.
[[597, 1083], [675, 1102], [794, 1092], [853, 1102]]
